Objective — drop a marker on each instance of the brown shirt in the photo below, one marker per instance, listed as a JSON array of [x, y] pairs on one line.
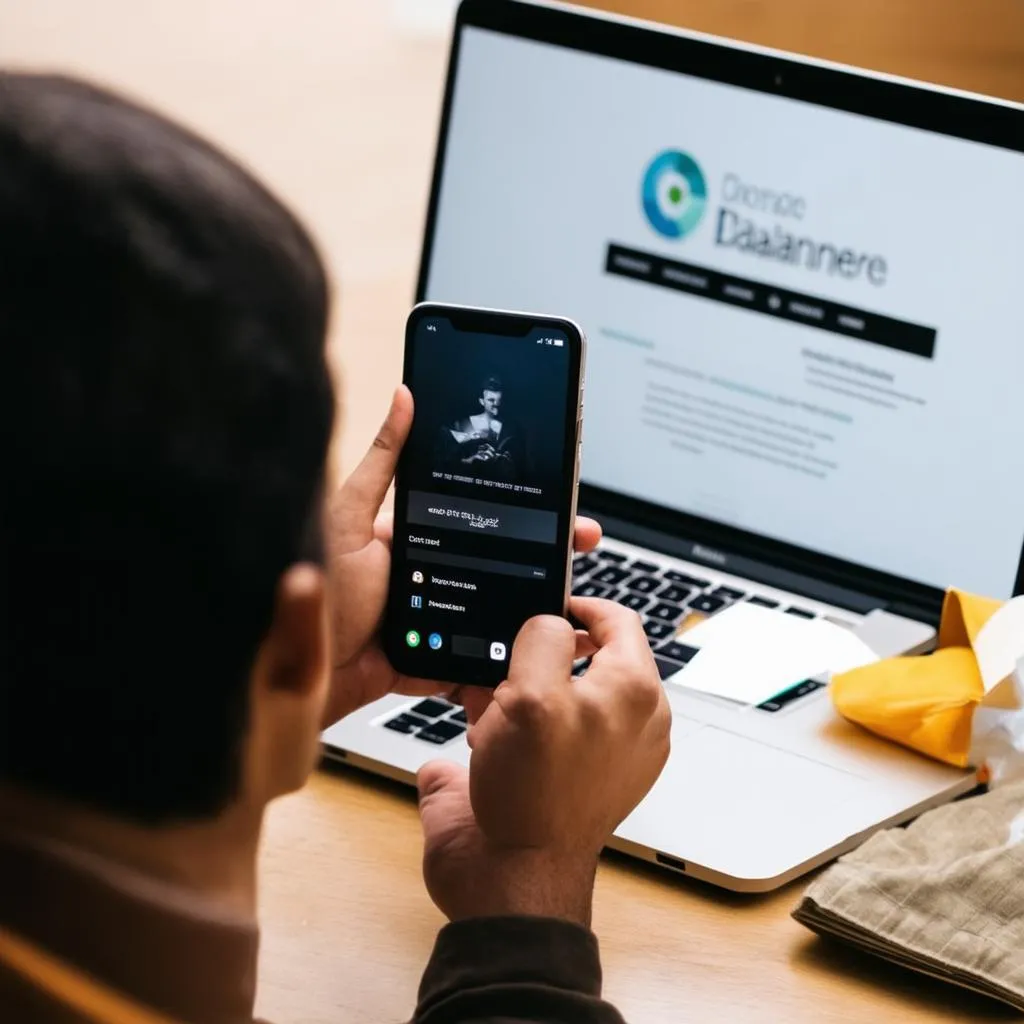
[[84, 940]]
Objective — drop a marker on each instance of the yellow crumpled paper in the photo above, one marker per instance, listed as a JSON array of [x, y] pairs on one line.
[[928, 702]]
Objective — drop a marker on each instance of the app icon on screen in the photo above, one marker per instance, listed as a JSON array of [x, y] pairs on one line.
[[417, 577], [674, 193], [412, 638], [416, 601], [497, 652], [435, 641]]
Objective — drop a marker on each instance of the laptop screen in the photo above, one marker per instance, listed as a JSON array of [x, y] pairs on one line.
[[804, 323]]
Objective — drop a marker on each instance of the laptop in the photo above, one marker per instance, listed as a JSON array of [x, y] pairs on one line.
[[801, 288]]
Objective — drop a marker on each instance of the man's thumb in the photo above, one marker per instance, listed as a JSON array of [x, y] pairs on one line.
[[437, 777], [543, 654], [362, 494]]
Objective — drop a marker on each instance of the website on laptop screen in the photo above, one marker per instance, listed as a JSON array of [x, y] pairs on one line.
[[802, 322]]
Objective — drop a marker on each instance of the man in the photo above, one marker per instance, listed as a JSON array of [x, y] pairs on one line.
[[482, 443], [179, 618]]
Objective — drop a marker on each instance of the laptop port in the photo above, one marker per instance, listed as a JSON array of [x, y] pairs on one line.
[[671, 862]]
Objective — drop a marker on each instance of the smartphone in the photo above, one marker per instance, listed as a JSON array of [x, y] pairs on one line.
[[485, 493]]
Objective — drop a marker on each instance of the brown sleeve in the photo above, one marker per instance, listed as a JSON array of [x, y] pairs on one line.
[[514, 970]]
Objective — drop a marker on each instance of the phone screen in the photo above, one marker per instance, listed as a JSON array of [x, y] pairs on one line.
[[485, 493]]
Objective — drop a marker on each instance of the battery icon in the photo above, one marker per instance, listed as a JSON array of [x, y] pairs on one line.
[[558, 341]]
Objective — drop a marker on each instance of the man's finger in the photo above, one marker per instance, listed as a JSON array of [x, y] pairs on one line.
[[476, 700], [588, 534], [622, 674], [363, 493], [585, 647], [384, 527], [436, 776], [542, 655], [611, 626]]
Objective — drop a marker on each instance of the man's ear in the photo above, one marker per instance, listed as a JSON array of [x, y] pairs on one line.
[[289, 686], [295, 650]]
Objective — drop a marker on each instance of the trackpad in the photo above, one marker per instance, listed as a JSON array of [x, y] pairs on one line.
[[743, 808]]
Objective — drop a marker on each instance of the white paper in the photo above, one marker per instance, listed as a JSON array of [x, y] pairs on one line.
[[749, 654]]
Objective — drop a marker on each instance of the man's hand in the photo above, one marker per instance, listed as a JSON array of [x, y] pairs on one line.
[[359, 557], [483, 454], [557, 763]]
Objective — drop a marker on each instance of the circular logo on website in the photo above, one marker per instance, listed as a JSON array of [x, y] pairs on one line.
[[674, 193]]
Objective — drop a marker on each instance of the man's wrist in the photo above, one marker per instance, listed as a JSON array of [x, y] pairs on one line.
[[512, 958], [530, 883]]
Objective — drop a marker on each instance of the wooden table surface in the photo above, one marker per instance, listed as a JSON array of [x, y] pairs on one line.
[[337, 109]]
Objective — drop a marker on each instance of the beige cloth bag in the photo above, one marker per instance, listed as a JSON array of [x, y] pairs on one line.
[[944, 896]]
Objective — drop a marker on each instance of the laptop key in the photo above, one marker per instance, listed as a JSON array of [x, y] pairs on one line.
[[667, 612], [800, 613], [459, 716], [591, 590], [707, 604], [611, 556], [644, 584], [635, 601], [644, 567], [657, 630], [728, 594], [677, 652], [405, 723], [431, 708], [674, 593], [762, 602], [666, 668], [584, 564], [804, 688], [612, 576], [687, 581], [781, 700], [441, 732]]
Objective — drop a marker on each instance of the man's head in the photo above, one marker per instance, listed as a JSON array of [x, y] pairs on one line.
[[490, 396], [167, 411]]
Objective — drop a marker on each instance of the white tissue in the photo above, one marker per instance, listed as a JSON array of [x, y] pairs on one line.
[[997, 730], [998, 736]]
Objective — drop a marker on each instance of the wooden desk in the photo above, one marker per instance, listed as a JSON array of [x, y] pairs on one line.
[[338, 112], [347, 928]]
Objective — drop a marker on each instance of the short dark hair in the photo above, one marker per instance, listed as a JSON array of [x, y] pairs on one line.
[[492, 384], [168, 411]]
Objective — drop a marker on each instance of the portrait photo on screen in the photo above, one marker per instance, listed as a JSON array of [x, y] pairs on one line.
[[490, 416]]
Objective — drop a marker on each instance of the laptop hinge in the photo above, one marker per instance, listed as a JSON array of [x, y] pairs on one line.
[[739, 565]]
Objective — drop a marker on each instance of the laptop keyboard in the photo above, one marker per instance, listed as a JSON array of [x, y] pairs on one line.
[[666, 600], [432, 720]]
